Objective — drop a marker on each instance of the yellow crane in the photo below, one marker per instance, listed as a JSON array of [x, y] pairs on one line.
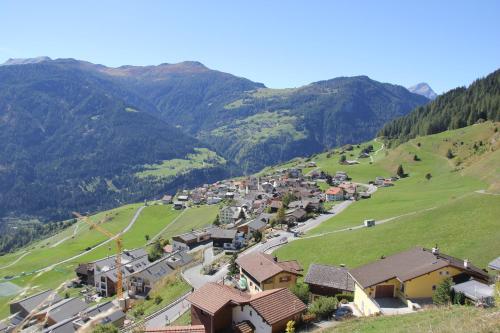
[[119, 244]]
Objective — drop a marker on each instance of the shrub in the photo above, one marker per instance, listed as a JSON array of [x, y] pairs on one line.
[[349, 297], [449, 154], [105, 328], [301, 290], [158, 299], [323, 307], [442, 295]]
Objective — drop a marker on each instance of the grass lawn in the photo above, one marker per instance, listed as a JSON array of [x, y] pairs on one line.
[[151, 221], [444, 210], [456, 319], [183, 320], [165, 292], [193, 218]]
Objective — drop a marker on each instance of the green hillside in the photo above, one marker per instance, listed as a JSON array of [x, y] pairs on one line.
[[457, 319], [457, 108], [448, 210], [154, 221]]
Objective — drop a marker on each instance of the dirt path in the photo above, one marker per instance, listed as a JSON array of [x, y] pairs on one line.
[[66, 238], [376, 151], [486, 193], [16, 261]]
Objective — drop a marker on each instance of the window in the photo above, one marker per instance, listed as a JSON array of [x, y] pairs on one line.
[[103, 279], [285, 278], [434, 287], [250, 313]]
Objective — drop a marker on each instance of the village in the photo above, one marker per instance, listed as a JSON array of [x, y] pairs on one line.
[[237, 283]]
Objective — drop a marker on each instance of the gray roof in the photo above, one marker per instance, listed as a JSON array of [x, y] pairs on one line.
[[179, 259], [128, 268], [223, 233], [330, 276], [112, 317], [495, 264], [65, 309], [127, 256], [474, 290], [65, 326], [155, 271], [256, 225], [33, 301]]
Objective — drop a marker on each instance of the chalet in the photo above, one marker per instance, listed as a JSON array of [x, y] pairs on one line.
[[350, 190], [179, 205], [334, 194], [295, 215], [275, 205], [223, 237], [252, 226], [166, 199], [183, 197], [411, 276], [325, 280], [260, 272], [213, 200], [190, 239], [220, 308]]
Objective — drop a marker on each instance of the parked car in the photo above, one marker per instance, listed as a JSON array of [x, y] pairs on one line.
[[344, 312]]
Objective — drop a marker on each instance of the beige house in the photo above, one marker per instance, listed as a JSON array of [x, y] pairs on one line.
[[260, 272]]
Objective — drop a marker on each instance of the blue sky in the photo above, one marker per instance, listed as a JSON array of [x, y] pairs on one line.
[[279, 43]]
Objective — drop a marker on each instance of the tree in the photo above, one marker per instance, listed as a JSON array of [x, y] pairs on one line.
[[442, 295], [216, 221], [323, 306], [290, 327], [342, 159], [155, 251], [287, 198], [233, 267], [105, 328], [158, 299], [280, 215], [301, 290], [146, 237], [257, 235], [400, 172], [449, 154], [428, 176], [416, 158]]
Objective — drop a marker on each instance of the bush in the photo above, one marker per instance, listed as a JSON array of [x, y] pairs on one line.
[[105, 328], [323, 307], [158, 299], [442, 295], [301, 290], [449, 154], [349, 297]]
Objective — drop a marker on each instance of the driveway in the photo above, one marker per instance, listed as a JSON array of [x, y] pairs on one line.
[[392, 306], [168, 314]]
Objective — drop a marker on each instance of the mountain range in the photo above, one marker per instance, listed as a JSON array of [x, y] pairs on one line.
[[76, 134]]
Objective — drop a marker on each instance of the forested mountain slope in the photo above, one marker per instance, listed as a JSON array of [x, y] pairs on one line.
[[457, 108]]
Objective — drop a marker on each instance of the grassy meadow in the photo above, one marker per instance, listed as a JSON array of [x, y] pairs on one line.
[[445, 210]]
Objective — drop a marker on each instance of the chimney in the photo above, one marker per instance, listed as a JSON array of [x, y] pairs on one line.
[[466, 263], [275, 259], [435, 250]]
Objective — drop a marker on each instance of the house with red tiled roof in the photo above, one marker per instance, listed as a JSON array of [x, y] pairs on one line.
[[334, 194], [260, 271], [220, 308]]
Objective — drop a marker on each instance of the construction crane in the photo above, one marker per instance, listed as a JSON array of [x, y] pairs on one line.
[[119, 244]]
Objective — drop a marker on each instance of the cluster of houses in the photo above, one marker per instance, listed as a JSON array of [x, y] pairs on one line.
[[138, 273], [48, 312], [261, 301]]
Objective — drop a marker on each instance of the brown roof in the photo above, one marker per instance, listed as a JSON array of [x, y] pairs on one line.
[[272, 305], [330, 276], [212, 297], [262, 266], [179, 329], [278, 305], [408, 265]]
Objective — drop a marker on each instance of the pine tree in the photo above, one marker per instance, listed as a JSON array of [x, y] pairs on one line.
[[442, 295], [400, 172]]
